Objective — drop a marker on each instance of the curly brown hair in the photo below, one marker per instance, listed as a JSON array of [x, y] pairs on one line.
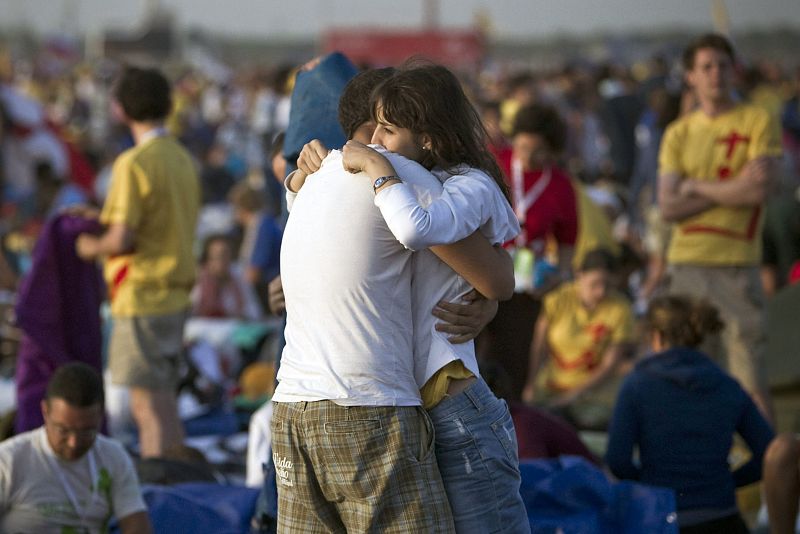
[[682, 321]]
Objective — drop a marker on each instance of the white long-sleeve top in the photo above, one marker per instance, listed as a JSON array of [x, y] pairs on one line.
[[470, 200]]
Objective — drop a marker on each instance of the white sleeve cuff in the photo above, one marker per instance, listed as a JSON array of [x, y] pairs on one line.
[[290, 195]]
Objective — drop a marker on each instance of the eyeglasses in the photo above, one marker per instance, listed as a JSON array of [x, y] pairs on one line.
[[83, 434]]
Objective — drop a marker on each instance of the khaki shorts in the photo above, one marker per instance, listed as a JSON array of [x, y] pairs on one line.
[[368, 469], [147, 352], [736, 292]]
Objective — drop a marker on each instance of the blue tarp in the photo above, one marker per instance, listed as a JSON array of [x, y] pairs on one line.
[[568, 495], [217, 421], [200, 508], [571, 496]]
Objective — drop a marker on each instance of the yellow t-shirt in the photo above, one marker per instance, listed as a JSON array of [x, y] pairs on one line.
[[770, 97], [594, 227], [578, 338], [716, 148], [181, 105], [155, 192]]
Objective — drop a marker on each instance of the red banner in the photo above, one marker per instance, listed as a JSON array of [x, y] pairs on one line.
[[464, 48]]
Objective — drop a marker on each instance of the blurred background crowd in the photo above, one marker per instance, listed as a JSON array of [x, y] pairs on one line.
[[598, 104]]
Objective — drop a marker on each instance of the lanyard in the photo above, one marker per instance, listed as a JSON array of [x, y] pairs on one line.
[[73, 499], [159, 131], [522, 200]]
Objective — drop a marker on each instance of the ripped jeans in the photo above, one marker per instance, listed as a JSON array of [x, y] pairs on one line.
[[476, 448]]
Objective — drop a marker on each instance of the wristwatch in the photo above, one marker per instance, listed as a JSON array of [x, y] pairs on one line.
[[382, 180]]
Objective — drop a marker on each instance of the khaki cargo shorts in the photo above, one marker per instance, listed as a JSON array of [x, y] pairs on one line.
[[147, 351]]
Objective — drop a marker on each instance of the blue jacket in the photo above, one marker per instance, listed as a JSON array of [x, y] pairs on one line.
[[682, 410], [267, 250]]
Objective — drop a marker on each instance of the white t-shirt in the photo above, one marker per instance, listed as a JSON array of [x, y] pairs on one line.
[[34, 499], [469, 201], [347, 283]]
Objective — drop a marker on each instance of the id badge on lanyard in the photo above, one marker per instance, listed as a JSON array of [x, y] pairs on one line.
[[80, 511], [523, 256]]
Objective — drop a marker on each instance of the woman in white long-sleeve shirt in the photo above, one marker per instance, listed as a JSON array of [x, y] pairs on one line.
[[423, 114]]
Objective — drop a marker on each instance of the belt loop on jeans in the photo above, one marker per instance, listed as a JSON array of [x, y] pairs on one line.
[[474, 393]]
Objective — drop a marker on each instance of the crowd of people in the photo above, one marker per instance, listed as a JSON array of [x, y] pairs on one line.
[[467, 269]]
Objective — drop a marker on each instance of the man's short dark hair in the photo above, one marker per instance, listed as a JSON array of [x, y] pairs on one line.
[[520, 80], [77, 384], [599, 259], [542, 120], [144, 94], [354, 108], [709, 40]]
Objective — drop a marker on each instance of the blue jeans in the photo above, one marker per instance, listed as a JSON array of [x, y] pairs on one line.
[[476, 448]]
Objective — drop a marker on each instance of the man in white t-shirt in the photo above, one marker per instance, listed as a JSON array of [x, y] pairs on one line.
[[352, 447], [63, 476]]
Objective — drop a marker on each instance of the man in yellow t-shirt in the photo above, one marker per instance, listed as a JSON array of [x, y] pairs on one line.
[[715, 168], [150, 214]]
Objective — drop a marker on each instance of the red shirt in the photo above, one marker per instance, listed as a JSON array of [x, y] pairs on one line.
[[542, 435], [554, 211]]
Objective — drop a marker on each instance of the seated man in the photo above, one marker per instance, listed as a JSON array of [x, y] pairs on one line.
[[63, 477]]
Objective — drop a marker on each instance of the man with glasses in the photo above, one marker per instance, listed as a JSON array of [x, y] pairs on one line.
[[63, 477]]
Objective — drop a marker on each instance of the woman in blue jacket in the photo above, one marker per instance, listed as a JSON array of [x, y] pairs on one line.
[[682, 410]]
